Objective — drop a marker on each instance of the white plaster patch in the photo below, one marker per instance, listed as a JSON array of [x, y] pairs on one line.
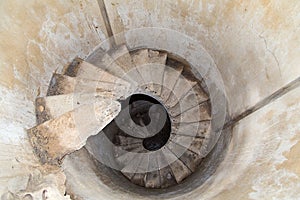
[[276, 185]]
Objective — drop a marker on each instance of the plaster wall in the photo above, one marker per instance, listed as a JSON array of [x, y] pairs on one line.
[[36, 39], [255, 45]]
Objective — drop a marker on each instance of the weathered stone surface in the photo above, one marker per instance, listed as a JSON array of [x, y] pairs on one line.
[[157, 57], [171, 76], [180, 171], [153, 72], [153, 175], [51, 107], [124, 141], [140, 175], [195, 114], [61, 84], [103, 60], [122, 57], [89, 71], [189, 158], [191, 99], [65, 134], [179, 90], [153, 77], [130, 169], [197, 129]]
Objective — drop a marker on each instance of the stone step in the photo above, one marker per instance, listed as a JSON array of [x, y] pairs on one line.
[[117, 61], [122, 57], [139, 58], [189, 158], [89, 71], [126, 158], [169, 80], [167, 178], [191, 99], [152, 70], [62, 84], [153, 78], [157, 57], [51, 107], [130, 169], [153, 175], [193, 144], [126, 140], [197, 129], [141, 171], [125, 154], [55, 138], [181, 88], [195, 114], [180, 171], [135, 147], [102, 59]]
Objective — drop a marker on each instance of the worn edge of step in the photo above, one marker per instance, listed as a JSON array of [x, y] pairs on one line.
[[62, 84], [180, 171], [50, 107], [47, 138], [85, 70]]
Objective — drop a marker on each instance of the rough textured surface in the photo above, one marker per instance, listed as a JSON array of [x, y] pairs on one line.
[[255, 45], [62, 84], [51, 107], [54, 34], [67, 133], [257, 34]]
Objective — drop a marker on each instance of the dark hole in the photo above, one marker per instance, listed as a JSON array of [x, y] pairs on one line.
[[139, 106], [139, 111]]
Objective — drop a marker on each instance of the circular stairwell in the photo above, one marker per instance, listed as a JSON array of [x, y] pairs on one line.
[[144, 114]]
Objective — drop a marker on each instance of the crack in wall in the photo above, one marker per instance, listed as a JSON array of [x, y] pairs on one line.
[[272, 53]]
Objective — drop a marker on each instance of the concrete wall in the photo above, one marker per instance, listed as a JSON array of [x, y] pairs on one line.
[[255, 45], [37, 38]]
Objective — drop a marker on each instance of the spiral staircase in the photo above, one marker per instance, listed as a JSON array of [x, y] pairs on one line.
[[159, 145]]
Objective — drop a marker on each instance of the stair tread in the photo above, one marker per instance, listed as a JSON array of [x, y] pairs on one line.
[[180, 171], [50, 107], [62, 84], [89, 71], [122, 57], [192, 98], [153, 176], [189, 158], [181, 88], [169, 80], [157, 57], [153, 77], [195, 114], [130, 169], [196, 129], [151, 67], [165, 172], [135, 147], [141, 171], [57, 137], [126, 158], [102, 59], [126, 140], [140, 57], [193, 144]]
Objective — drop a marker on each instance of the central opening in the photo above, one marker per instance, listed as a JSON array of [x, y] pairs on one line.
[[145, 109]]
